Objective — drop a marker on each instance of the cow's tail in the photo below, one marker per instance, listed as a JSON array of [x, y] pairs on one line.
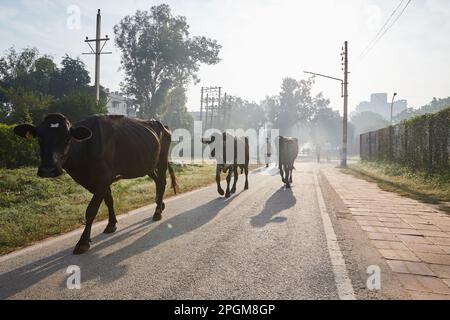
[[173, 178]]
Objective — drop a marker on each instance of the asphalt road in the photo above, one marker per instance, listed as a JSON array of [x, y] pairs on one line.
[[264, 243]]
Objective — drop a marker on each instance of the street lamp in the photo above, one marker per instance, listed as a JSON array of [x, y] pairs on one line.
[[344, 95], [392, 106]]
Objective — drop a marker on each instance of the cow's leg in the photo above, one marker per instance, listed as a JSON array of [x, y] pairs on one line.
[[161, 183], [280, 165], [286, 179], [112, 221], [219, 188], [291, 170], [236, 177], [246, 177], [228, 193], [154, 177], [84, 244]]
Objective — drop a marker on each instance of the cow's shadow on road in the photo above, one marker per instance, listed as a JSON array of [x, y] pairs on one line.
[[281, 200], [108, 268]]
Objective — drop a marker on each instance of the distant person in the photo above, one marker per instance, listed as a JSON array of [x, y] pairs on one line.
[[267, 152], [328, 151], [318, 151]]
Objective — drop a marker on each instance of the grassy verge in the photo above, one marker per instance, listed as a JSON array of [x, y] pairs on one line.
[[415, 184], [32, 209]]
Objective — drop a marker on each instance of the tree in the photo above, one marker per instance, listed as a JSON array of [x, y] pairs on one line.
[[24, 106], [78, 106], [43, 75], [368, 121], [159, 55], [31, 84], [435, 105], [72, 77], [294, 106], [176, 115], [326, 126], [246, 115]]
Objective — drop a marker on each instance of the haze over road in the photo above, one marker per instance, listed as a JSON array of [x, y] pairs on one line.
[[265, 243]]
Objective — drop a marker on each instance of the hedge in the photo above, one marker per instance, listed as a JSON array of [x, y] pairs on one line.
[[421, 142], [16, 152]]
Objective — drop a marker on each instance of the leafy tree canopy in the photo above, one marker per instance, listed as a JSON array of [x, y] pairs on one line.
[[295, 105], [368, 121], [158, 55], [32, 85], [176, 115]]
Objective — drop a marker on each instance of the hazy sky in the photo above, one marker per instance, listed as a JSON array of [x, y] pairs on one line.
[[266, 40]]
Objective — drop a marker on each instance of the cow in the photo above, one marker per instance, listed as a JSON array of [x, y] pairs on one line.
[[228, 165], [98, 151], [288, 152]]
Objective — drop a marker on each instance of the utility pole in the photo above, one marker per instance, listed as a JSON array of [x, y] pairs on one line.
[[345, 124], [201, 107], [99, 45], [344, 92], [392, 107]]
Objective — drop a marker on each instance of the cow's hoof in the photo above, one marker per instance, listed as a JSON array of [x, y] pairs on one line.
[[157, 216], [221, 192], [81, 247], [233, 191], [246, 187], [110, 229], [228, 195], [288, 186]]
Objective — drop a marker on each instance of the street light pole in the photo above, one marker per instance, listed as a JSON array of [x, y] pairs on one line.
[[345, 124], [344, 92], [392, 107]]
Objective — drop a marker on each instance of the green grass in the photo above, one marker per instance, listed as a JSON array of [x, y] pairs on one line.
[[32, 209], [416, 184]]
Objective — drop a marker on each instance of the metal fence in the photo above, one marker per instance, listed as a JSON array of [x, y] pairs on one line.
[[422, 142]]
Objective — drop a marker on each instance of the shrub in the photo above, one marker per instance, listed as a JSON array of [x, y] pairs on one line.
[[421, 142], [16, 152]]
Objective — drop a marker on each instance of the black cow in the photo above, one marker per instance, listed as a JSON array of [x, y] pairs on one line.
[[228, 165], [99, 151], [288, 152]]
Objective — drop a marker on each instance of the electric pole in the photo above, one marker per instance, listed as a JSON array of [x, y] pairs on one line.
[[345, 124], [99, 45]]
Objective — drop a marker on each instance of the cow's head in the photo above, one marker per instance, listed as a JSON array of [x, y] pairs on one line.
[[55, 136]]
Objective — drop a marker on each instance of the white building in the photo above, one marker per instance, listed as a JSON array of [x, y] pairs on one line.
[[117, 104]]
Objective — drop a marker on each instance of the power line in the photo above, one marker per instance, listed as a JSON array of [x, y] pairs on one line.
[[388, 28], [382, 28]]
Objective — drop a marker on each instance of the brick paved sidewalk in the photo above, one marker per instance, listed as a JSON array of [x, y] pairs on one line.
[[413, 237]]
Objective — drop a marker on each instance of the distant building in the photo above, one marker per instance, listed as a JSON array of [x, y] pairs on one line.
[[118, 104], [379, 104]]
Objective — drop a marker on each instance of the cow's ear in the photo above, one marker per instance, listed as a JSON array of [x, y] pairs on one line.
[[27, 131], [81, 133]]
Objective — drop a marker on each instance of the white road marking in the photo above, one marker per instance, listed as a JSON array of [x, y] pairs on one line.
[[343, 282]]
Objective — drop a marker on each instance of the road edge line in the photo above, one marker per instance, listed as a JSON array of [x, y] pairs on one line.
[[342, 280], [50, 240]]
